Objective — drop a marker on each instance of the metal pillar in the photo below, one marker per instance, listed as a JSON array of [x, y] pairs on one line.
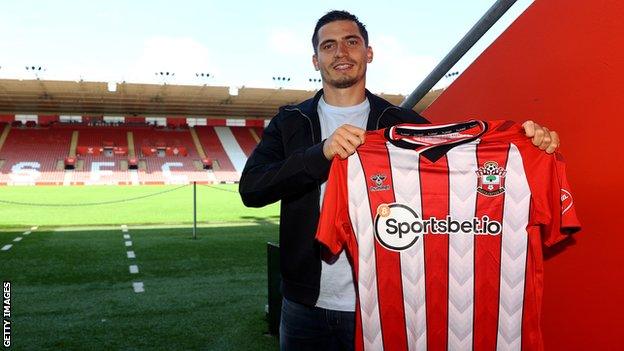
[[476, 32], [194, 210]]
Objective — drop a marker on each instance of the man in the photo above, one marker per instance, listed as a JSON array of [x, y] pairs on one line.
[[291, 164]]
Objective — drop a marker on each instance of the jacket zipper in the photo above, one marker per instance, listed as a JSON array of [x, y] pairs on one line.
[[318, 187], [309, 121]]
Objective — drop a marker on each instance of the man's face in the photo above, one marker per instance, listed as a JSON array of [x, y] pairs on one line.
[[341, 55]]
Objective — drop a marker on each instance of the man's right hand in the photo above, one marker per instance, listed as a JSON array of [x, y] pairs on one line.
[[343, 141]]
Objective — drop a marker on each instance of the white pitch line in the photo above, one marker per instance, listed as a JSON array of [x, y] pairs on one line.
[[19, 238], [128, 243], [27, 232], [138, 287], [6, 247], [126, 236], [33, 228], [134, 269], [124, 228], [131, 254]]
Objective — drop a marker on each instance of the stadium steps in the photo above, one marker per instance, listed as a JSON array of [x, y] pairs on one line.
[[67, 178], [254, 135], [134, 176], [5, 134], [214, 149], [130, 138], [258, 131], [244, 139], [73, 144], [198, 146], [232, 148]]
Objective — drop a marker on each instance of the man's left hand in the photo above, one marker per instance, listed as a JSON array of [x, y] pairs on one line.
[[541, 137]]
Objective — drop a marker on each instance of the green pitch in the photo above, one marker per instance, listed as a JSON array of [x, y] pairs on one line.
[[72, 287], [73, 290], [87, 205]]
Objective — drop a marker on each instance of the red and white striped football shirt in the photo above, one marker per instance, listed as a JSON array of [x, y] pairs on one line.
[[444, 227]]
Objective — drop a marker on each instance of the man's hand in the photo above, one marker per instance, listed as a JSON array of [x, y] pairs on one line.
[[343, 141], [541, 137]]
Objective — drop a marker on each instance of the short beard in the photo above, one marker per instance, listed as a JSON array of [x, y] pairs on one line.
[[343, 83], [340, 83]]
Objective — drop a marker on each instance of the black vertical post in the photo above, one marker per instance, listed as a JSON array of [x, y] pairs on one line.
[[275, 296], [194, 210]]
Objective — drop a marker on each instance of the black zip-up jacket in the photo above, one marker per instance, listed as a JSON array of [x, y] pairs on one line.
[[289, 165]]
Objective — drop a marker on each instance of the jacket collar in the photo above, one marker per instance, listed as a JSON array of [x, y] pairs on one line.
[[378, 105], [309, 109]]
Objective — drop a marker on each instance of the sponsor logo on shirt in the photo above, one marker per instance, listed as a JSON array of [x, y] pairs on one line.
[[378, 180], [491, 179], [398, 227]]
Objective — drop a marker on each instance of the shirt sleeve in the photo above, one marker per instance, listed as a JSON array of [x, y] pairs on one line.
[[553, 202], [334, 219], [564, 220]]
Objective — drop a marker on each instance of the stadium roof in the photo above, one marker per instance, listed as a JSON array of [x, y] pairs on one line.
[[84, 98]]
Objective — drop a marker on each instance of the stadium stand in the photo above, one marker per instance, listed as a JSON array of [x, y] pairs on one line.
[[104, 155], [33, 155], [89, 151], [170, 157], [215, 127]]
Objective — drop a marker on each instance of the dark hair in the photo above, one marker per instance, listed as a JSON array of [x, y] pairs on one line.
[[336, 15]]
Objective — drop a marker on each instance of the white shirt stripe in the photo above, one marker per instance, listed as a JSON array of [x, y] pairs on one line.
[[513, 253], [406, 179], [462, 162], [359, 212]]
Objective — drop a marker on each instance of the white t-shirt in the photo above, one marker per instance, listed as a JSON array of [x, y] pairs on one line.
[[337, 290]]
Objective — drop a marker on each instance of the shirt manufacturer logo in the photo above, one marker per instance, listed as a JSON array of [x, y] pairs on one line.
[[378, 180]]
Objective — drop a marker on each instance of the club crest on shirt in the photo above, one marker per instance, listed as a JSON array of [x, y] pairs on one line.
[[491, 179], [378, 180]]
